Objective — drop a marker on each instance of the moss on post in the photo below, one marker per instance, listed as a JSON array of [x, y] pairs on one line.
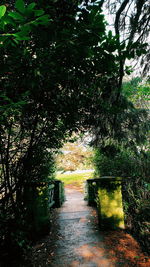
[[109, 202]]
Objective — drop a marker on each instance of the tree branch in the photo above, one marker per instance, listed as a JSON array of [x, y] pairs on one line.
[[118, 14]]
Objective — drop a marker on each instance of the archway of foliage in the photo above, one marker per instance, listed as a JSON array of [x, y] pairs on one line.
[[59, 73]]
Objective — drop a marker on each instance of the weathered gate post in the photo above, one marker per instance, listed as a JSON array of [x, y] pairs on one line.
[[36, 197], [91, 185], [58, 193], [109, 202]]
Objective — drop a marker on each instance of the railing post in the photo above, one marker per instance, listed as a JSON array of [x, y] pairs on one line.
[[51, 201], [91, 191], [58, 194], [109, 202], [37, 204], [106, 193]]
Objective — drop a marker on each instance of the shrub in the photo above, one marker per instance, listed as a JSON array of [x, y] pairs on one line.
[[135, 167]]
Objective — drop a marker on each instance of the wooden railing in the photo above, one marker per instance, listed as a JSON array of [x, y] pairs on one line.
[[55, 194], [39, 199], [51, 201]]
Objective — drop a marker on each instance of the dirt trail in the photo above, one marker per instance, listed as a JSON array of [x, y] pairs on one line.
[[75, 240]]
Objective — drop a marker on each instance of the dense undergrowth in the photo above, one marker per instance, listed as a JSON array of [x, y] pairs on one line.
[[136, 199]]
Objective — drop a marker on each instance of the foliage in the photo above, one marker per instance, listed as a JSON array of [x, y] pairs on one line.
[[136, 195], [47, 76], [138, 92], [135, 168], [130, 21], [74, 156], [17, 164], [112, 161], [20, 22], [129, 157]]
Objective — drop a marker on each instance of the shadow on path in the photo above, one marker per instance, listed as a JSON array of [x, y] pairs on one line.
[[75, 240]]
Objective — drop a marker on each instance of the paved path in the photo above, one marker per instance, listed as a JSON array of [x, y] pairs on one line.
[[76, 241], [79, 238]]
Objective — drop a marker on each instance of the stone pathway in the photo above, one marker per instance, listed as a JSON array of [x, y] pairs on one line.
[[78, 234], [75, 240]]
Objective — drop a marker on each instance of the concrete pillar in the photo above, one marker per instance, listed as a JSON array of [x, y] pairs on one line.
[[109, 202]]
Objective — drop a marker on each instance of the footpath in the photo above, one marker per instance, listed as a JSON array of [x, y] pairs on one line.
[[76, 240]]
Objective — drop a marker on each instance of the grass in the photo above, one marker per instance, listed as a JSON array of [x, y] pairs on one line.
[[75, 179]]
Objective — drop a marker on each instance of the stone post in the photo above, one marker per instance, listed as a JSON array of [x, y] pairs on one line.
[[109, 202]]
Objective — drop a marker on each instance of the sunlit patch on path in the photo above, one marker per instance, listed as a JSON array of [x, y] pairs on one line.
[[75, 240]]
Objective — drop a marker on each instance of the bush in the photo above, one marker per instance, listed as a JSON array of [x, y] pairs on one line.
[[18, 222], [121, 162], [135, 166], [136, 200]]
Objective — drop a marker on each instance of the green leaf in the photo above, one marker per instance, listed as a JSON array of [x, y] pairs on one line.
[[20, 37], [43, 20], [25, 29], [20, 5], [2, 38], [29, 9], [110, 34], [16, 15], [122, 46], [138, 52], [31, 6], [2, 11], [23, 34], [39, 12]]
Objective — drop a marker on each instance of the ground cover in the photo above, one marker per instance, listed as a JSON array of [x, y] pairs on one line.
[[75, 179]]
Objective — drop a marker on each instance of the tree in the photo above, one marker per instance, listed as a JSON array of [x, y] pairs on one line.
[[131, 24], [50, 72], [74, 156]]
